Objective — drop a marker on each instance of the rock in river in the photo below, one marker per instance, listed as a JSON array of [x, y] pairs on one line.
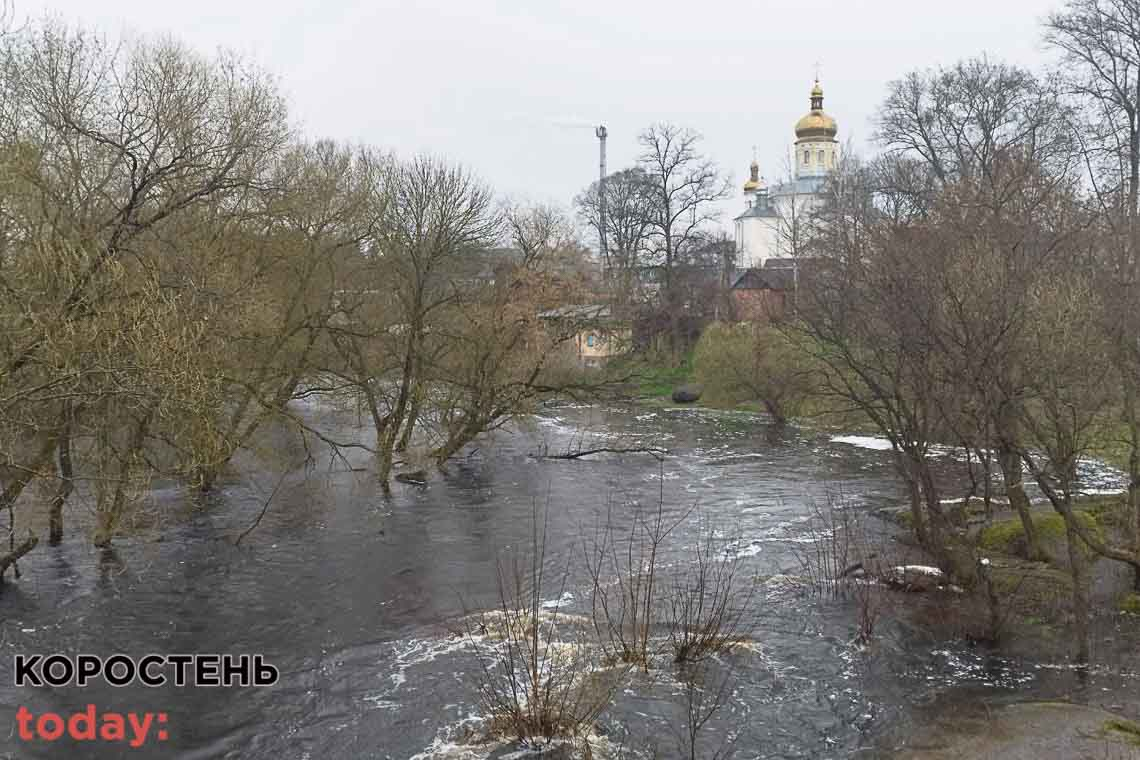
[[687, 394], [415, 478]]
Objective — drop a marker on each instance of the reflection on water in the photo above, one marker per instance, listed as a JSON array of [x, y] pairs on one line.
[[356, 597]]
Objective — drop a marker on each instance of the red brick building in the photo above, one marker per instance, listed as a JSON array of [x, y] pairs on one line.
[[763, 294]]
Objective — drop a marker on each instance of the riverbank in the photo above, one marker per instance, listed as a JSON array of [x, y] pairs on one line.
[[1022, 731]]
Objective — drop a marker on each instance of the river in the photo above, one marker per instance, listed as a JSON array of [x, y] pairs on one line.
[[356, 598]]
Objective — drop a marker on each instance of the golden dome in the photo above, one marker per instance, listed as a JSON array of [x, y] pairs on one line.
[[817, 123], [754, 181]]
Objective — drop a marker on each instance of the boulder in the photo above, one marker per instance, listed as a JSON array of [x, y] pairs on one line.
[[686, 394]]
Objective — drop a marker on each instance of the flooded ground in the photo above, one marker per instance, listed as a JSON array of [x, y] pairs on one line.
[[357, 598]]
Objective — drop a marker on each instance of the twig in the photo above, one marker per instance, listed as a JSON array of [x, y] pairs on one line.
[[264, 509], [658, 454], [19, 551]]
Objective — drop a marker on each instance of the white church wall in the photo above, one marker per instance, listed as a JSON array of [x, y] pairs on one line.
[[757, 241]]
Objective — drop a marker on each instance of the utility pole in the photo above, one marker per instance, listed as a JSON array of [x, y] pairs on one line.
[[601, 134]]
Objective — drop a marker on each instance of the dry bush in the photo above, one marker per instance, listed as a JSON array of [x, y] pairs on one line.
[[706, 691], [839, 559], [706, 602], [538, 676], [623, 574]]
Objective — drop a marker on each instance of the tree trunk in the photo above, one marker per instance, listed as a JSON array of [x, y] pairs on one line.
[[1133, 422], [917, 515], [66, 480], [457, 441], [956, 555], [413, 417], [1010, 463], [109, 513], [26, 474], [10, 559], [387, 444], [1080, 592]]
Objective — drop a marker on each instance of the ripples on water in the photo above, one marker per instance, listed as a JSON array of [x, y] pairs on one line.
[[358, 598]]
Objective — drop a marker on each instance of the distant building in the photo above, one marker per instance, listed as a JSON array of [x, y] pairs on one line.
[[767, 228], [596, 335], [761, 294]]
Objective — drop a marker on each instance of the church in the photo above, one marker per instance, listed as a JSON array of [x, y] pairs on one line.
[[770, 230]]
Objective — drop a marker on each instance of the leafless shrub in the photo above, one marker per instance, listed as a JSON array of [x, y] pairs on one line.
[[827, 553], [706, 602], [706, 691], [537, 674], [838, 559], [623, 575]]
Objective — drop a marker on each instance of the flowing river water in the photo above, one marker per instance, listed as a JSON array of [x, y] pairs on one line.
[[357, 598]]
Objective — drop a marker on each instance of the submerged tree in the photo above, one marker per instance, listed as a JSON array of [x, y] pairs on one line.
[[1099, 41]]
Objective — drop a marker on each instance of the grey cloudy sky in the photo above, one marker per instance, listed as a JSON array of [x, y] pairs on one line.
[[509, 87]]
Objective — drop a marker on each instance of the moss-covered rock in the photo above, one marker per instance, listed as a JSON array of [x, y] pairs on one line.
[[1008, 536], [1033, 586], [1130, 603]]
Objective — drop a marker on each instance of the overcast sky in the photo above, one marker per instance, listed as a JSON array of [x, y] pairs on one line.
[[511, 87]]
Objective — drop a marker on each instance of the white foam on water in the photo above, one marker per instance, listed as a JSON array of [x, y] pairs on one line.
[[553, 604], [863, 442], [411, 652]]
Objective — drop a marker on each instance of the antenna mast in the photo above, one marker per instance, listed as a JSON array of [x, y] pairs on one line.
[[602, 134]]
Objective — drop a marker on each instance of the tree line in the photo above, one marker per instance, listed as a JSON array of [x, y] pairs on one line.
[[977, 283], [664, 261], [179, 265]]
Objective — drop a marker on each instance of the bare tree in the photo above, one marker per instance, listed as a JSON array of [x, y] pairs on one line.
[[1100, 44], [684, 188], [104, 148], [1062, 415], [628, 227], [993, 135]]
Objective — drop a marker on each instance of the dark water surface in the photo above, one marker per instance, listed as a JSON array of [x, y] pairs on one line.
[[356, 598]]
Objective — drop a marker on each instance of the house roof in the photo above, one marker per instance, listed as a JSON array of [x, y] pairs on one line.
[[752, 279], [777, 274], [761, 210], [800, 186], [577, 311]]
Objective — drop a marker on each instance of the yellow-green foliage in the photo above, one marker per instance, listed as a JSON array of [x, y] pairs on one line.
[[752, 362], [655, 375], [1110, 511], [1008, 536], [723, 362], [1130, 604]]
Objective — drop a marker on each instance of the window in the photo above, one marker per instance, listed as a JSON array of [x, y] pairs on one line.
[[590, 341], [821, 158], [807, 156]]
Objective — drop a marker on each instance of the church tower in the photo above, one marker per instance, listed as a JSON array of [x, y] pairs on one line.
[[764, 229], [817, 150], [753, 185]]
